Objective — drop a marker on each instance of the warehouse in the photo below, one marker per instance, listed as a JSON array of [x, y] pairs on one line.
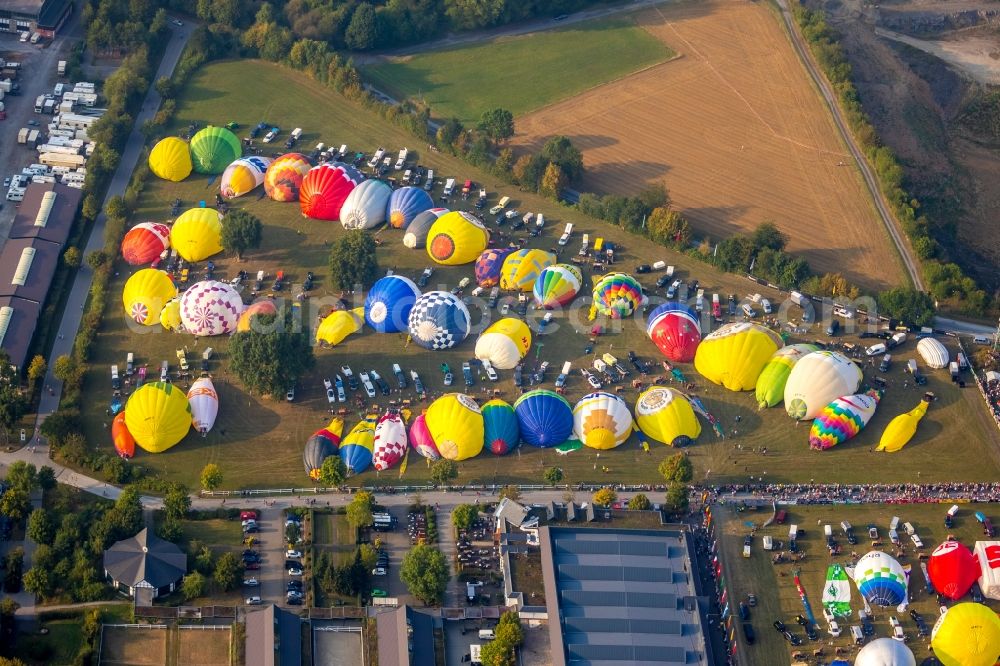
[[42, 16], [47, 212]]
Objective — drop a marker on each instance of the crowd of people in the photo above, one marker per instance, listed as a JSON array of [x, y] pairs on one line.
[[992, 391], [876, 493]]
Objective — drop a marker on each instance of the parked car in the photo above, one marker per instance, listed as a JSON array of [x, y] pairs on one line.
[[294, 554], [352, 381], [251, 582], [253, 601]]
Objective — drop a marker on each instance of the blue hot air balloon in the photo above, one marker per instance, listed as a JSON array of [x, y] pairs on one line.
[[880, 579], [544, 417], [388, 305], [405, 204], [439, 320], [500, 423], [357, 449], [488, 266]]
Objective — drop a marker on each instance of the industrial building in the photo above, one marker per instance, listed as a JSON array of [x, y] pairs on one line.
[[45, 17]]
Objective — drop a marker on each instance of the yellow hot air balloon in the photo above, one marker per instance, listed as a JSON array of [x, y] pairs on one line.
[[666, 415], [735, 354], [504, 343], [158, 415], [455, 423], [170, 315], [456, 238], [968, 634], [197, 234], [339, 324], [145, 294], [902, 428], [170, 159], [602, 420], [520, 269]]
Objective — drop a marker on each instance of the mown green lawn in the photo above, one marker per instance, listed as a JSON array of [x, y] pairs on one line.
[[520, 73]]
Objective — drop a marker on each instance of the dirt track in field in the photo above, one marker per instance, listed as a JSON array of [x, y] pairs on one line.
[[738, 134]]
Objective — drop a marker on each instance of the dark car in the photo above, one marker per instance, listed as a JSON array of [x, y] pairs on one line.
[[748, 633], [293, 564], [663, 280], [294, 601], [988, 528], [811, 633], [294, 585], [744, 611], [779, 625], [833, 328], [643, 268]]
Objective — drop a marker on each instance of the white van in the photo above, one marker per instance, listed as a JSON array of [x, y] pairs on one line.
[[25, 36], [876, 350], [894, 523], [894, 537], [449, 187], [486, 634], [857, 635], [768, 543], [979, 339], [827, 531], [909, 528], [766, 304], [841, 311], [749, 311], [793, 532], [659, 265]]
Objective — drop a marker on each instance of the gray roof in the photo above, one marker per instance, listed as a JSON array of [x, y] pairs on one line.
[[37, 259], [423, 638], [259, 640], [17, 327], [55, 222], [617, 596], [390, 629], [511, 511], [145, 557]]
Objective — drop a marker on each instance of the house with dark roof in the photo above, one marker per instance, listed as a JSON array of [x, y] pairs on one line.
[[26, 268], [273, 637], [42, 16], [18, 318], [47, 211], [145, 562], [405, 637]]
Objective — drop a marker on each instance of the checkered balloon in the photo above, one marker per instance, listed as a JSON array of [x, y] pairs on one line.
[[210, 308], [439, 320], [390, 441]]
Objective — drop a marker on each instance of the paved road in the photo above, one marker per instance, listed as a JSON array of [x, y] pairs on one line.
[[271, 573], [881, 205], [966, 327]]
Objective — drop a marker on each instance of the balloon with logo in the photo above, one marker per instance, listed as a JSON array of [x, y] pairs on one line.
[[390, 441], [243, 175], [617, 295], [817, 380], [881, 579], [260, 308], [988, 555], [364, 207], [456, 238], [321, 445], [842, 419], [421, 440], [885, 652], [735, 354], [389, 302], [339, 324], [204, 403], [170, 159], [504, 343], [197, 234], [774, 376], [602, 420], [145, 242], [488, 266], [456, 424], [158, 416], [500, 427], [356, 449], [211, 308], [953, 569], [967, 634], [544, 418], [521, 269], [405, 204], [284, 176], [557, 286], [674, 329], [439, 320], [416, 232], [666, 415], [325, 188], [213, 148], [145, 294]]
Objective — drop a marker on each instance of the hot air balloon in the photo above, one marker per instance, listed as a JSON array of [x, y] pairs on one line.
[[339, 324], [880, 579], [421, 439], [885, 652], [364, 207], [522, 267], [170, 159], [988, 554], [504, 343], [602, 420], [902, 428], [735, 354], [145, 242], [170, 315], [356, 449], [416, 233], [158, 416], [500, 427], [439, 320], [557, 286], [213, 148], [389, 301], [455, 423], [817, 380], [204, 403], [325, 188], [617, 295], [666, 415], [837, 591], [210, 308], [284, 177], [197, 234], [321, 445], [675, 330], [774, 376], [544, 418], [967, 635], [842, 419], [405, 204], [390, 441], [262, 307], [488, 266], [953, 569], [145, 294], [933, 352], [243, 175], [122, 438], [456, 238]]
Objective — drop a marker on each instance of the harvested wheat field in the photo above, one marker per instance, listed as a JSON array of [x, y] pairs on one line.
[[738, 133]]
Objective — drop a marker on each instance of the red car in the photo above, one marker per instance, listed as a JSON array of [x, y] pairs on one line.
[[248, 515]]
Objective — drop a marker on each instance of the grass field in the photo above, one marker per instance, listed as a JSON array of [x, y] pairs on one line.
[[221, 535], [133, 647], [738, 133], [258, 441], [57, 648], [206, 647], [519, 73], [776, 593]]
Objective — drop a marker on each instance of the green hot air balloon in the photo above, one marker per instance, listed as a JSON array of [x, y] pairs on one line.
[[772, 379], [213, 149]]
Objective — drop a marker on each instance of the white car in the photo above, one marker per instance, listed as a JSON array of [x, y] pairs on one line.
[[331, 395], [897, 634], [251, 582], [293, 554], [253, 601], [366, 381], [379, 571], [915, 538], [591, 379], [490, 370], [295, 572], [505, 308]]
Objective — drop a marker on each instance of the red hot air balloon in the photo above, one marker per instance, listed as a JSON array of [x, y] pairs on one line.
[[674, 329], [953, 569], [145, 242], [325, 188]]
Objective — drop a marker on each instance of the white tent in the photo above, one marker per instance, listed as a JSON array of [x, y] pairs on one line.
[[933, 352]]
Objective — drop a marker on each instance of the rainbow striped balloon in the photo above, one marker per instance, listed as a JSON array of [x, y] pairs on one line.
[[842, 419]]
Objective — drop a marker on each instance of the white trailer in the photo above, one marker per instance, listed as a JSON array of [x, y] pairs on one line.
[[22, 135], [56, 148], [61, 67], [401, 159], [61, 159], [77, 121]]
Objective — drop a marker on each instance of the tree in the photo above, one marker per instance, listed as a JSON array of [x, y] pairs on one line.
[[560, 151], [15, 504], [177, 502], [369, 556], [333, 471], [228, 572], [497, 123], [359, 511], [668, 227], [211, 476], [115, 207], [66, 369], [170, 530], [361, 33], [37, 368], [193, 586], [655, 196], [768, 235], [22, 475], [96, 259], [448, 132], [906, 304], [204, 560], [60, 424], [528, 171], [676, 468], [353, 262], [38, 581], [510, 492], [46, 478], [425, 572], [271, 355], [464, 516], [240, 232], [443, 471], [677, 497], [72, 257], [41, 528], [639, 503], [553, 181], [13, 403], [605, 497], [553, 475], [165, 87]]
